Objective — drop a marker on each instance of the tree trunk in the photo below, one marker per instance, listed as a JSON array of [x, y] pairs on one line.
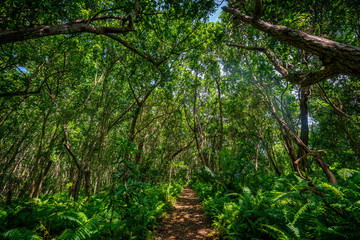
[[87, 175], [305, 93], [133, 123], [257, 156], [80, 170], [221, 140], [38, 183], [269, 155], [289, 147], [79, 179], [330, 176]]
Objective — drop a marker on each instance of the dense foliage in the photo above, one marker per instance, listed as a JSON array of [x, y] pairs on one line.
[[278, 208], [132, 214], [106, 106]]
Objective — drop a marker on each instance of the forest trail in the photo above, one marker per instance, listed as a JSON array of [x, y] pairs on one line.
[[187, 220]]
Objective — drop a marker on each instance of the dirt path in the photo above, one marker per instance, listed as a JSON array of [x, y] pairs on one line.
[[187, 221]]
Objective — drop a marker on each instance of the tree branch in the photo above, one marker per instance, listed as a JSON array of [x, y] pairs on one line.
[[297, 77], [9, 36], [68, 147], [282, 70], [120, 117], [346, 58]]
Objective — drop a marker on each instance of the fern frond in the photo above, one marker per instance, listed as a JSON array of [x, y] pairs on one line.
[[85, 231], [346, 173], [329, 230], [279, 195], [66, 234], [279, 234], [76, 217], [333, 189], [233, 194], [294, 230], [300, 212], [21, 233], [89, 228]]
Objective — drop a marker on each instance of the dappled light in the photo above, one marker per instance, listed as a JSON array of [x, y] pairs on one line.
[[187, 220], [178, 119]]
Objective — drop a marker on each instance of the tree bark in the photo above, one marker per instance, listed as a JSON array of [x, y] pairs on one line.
[[269, 155], [39, 182], [342, 115], [80, 170], [305, 93], [337, 58], [79, 26], [330, 176], [221, 140], [289, 147]]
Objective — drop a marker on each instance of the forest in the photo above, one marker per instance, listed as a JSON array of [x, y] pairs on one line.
[[109, 109]]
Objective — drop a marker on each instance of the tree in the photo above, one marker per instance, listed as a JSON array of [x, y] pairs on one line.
[[337, 58]]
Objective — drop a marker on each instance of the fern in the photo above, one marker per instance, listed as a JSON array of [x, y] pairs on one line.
[[300, 212], [346, 173], [85, 231], [276, 232], [328, 231], [66, 234], [77, 218], [294, 230], [21, 233], [334, 189]]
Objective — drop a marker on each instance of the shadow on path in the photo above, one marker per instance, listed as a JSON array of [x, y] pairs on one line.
[[187, 221]]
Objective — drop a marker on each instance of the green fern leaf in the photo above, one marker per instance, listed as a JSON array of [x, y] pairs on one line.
[[78, 218], [85, 231], [294, 229], [89, 228], [280, 234], [346, 173], [300, 212], [21, 233], [66, 234], [333, 189]]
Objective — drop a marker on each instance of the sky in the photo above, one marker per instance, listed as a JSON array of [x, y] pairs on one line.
[[214, 17]]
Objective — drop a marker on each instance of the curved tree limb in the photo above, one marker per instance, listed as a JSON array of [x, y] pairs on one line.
[[343, 58], [304, 79], [9, 36], [330, 176]]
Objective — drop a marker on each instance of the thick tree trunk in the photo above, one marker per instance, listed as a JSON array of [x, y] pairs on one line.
[[79, 179], [305, 93], [87, 176], [304, 114], [139, 150]]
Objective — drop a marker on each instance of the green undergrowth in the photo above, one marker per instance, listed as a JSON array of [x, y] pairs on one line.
[[129, 213], [271, 207], [129, 208]]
